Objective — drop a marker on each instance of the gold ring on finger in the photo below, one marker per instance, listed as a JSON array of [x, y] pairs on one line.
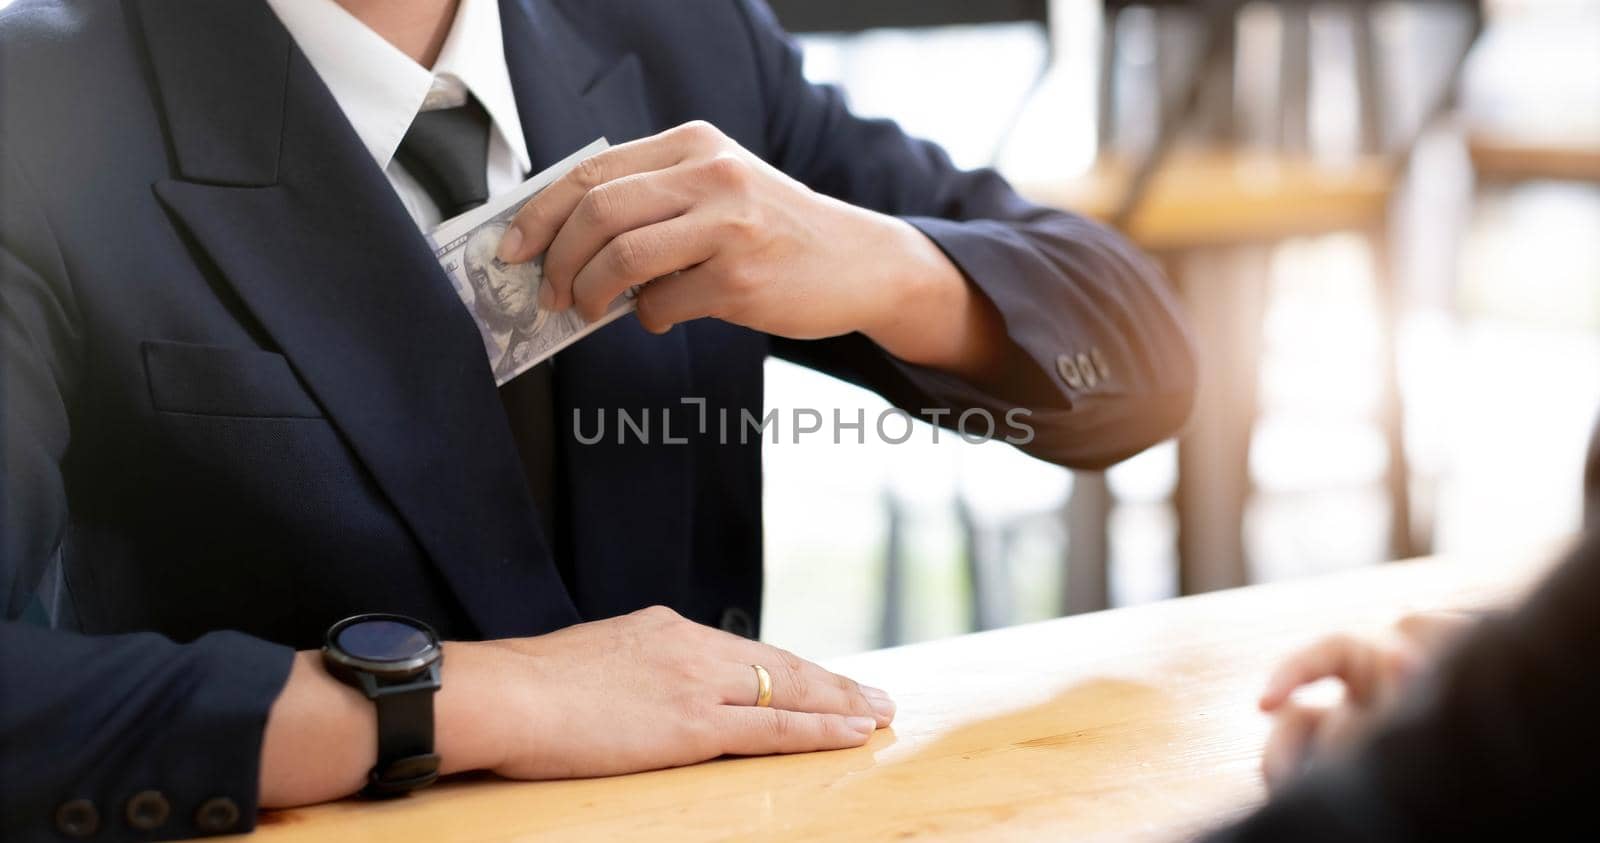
[[763, 686]]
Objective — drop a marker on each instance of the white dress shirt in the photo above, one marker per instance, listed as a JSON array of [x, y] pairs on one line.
[[381, 90]]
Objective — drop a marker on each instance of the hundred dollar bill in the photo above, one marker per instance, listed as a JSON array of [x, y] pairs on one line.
[[503, 298]]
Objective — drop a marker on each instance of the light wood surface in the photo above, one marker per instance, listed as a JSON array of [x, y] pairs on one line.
[[1134, 724], [1512, 157], [1206, 198]]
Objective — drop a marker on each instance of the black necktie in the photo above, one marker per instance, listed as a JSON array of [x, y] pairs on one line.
[[447, 152]]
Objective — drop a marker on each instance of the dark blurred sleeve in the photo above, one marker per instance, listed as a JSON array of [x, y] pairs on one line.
[[1073, 294], [87, 719], [1591, 484], [1500, 743]]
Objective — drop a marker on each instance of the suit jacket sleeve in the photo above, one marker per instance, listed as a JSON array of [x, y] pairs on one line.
[[1067, 288], [97, 718], [1500, 741]]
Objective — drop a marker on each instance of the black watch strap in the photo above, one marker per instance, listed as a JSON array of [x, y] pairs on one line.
[[406, 760]]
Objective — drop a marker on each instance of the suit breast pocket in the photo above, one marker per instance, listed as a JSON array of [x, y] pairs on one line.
[[212, 380]]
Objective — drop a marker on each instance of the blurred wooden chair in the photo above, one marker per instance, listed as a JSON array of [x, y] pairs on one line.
[[1188, 203], [1201, 209]]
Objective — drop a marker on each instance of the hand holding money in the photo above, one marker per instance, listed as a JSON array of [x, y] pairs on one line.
[[713, 231], [504, 299]]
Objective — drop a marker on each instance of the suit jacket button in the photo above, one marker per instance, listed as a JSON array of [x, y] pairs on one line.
[[216, 815], [148, 810], [77, 818], [738, 622], [1068, 369], [1100, 366], [1087, 372]]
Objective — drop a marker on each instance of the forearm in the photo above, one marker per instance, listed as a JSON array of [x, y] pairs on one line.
[[321, 736], [99, 718]]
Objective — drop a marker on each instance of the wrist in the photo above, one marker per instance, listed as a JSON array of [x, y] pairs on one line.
[[929, 313], [468, 732], [320, 738], [905, 278]]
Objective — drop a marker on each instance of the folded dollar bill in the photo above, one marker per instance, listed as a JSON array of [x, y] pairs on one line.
[[503, 298]]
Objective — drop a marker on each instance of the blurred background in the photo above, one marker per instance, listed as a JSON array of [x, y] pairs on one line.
[[1384, 220]]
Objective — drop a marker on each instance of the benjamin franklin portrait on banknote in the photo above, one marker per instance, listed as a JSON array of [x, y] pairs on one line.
[[505, 299]]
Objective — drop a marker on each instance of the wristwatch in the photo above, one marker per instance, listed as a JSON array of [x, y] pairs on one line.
[[394, 660]]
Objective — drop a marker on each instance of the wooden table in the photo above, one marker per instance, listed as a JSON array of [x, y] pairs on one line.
[[1134, 724]]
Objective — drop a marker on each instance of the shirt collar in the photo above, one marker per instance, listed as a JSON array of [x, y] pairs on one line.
[[475, 53], [381, 90]]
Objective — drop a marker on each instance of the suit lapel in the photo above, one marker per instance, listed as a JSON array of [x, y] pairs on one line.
[[276, 189], [630, 503], [568, 92]]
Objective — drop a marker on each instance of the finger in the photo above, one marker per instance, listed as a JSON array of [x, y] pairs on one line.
[[680, 297], [1397, 663], [799, 685], [1340, 728], [537, 223], [607, 212], [1432, 631], [1352, 661], [1293, 729], [770, 731], [639, 256]]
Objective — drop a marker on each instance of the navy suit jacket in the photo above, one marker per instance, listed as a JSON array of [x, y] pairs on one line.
[[241, 401]]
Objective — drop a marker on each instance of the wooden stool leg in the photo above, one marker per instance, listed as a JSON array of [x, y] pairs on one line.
[[1088, 515], [1294, 78], [1369, 76], [1106, 117], [1226, 294], [988, 570], [891, 626], [1404, 541]]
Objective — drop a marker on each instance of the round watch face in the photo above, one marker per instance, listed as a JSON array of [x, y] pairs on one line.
[[388, 646], [383, 641]]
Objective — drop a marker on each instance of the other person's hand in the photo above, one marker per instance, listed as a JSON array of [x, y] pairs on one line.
[[711, 230], [1373, 671]]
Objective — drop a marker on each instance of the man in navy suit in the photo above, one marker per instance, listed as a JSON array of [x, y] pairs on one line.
[[241, 400]]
